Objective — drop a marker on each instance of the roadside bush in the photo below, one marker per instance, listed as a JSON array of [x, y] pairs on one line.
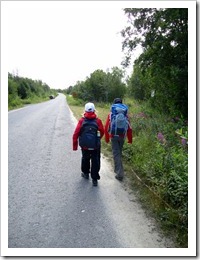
[[14, 101], [74, 101], [159, 157], [26, 91]]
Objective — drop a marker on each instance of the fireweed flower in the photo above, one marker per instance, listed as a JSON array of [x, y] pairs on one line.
[[140, 115], [161, 138], [183, 142]]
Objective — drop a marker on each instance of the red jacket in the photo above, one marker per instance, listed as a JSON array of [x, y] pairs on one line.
[[90, 115], [108, 135]]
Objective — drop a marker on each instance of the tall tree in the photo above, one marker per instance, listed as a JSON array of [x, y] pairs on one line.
[[163, 35], [101, 86]]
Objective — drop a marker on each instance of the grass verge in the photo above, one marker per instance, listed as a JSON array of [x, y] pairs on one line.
[[18, 103]]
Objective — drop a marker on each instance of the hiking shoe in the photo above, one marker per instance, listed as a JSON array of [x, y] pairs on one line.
[[85, 175], [94, 182], [98, 177], [119, 178]]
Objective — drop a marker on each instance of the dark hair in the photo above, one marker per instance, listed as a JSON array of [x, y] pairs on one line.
[[117, 100]]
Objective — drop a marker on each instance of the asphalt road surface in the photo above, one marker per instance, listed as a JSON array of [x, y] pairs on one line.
[[50, 205]]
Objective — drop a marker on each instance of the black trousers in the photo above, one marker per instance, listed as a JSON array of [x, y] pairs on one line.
[[90, 162]]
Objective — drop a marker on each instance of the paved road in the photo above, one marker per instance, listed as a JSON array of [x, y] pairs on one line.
[[50, 205]]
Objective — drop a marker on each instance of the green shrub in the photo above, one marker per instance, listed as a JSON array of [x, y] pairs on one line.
[[74, 101], [14, 102], [159, 157]]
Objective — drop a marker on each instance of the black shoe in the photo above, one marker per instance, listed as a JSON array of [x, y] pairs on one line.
[[118, 178], [98, 177], [85, 175], [94, 182]]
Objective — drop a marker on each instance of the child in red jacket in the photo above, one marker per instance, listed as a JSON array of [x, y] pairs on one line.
[[88, 132]]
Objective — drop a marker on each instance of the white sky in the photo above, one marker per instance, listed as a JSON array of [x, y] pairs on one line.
[[63, 42]]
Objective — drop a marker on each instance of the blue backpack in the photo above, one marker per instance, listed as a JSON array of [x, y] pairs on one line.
[[88, 138], [118, 119]]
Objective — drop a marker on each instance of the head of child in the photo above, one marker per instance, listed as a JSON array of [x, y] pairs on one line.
[[117, 101], [89, 107]]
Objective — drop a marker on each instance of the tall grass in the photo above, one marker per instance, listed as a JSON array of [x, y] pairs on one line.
[[158, 156], [18, 102]]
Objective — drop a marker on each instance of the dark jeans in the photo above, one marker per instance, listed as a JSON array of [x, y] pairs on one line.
[[90, 162]]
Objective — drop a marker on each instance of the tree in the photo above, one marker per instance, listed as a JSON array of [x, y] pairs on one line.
[[23, 89], [96, 85], [100, 86], [163, 35], [20, 88], [116, 87], [136, 85]]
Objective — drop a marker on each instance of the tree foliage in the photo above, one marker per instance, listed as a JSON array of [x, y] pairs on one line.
[[21, 89], [100, 86], [163, 65]]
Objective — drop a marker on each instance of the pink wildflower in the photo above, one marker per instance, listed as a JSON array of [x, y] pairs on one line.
[[183, 142], [141, 115], [161, 138]]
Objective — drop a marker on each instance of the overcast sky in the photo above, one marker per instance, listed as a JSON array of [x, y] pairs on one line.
[[62, 42]]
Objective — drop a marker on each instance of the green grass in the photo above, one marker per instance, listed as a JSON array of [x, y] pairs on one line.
[[18, 103]]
